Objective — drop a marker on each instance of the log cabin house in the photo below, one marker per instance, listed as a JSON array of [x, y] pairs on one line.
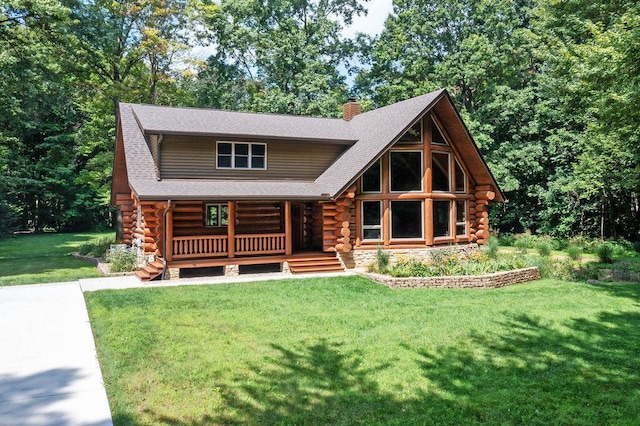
[[208, 188]]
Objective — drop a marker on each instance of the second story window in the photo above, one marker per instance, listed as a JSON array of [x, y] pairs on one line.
[[241, 155]]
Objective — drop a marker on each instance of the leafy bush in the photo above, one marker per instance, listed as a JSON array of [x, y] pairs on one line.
[[491, 248], [506, 239], [96, 248], [544, 249], [122, 260], [574, 253], [605, 252], [382, 259]]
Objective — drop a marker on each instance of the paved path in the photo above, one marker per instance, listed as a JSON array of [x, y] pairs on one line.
[[49, 372]]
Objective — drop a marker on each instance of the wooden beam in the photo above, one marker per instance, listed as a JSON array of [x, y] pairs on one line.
[[169, 234], [288, 238], [231, 229], [428, 221], [426, 134], [386, 222]]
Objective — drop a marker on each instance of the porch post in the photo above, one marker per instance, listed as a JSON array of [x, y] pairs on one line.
[[231, 229], [288, 241], [169, 235]]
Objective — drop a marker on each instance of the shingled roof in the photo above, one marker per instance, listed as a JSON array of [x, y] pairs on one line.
[[368, 135]]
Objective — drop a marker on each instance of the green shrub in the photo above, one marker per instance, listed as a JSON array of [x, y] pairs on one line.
[[605, 252], [544, 248], [382, 259], [122, 260], [491, 248], [574, 253], [96, 248], [506, 239]]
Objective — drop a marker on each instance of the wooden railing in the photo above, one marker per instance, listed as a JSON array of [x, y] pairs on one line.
[[217, 245], [259, 244], [197, 247]]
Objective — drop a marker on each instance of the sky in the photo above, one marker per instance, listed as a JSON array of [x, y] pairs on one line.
[[373, 23]]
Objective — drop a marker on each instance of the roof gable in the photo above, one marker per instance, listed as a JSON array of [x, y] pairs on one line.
[[369, 135]]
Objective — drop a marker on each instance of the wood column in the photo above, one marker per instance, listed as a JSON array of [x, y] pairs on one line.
[[386, 222], [169, 234], [288, 237], [427, 181], [428, 221], [231, 229]]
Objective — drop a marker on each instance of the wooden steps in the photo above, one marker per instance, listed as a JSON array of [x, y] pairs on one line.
[[150, 272], [315, 263]]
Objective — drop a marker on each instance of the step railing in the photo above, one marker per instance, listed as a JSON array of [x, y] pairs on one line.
[[249, 244]]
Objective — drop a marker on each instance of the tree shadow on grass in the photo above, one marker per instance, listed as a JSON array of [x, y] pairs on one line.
[[586, 373]]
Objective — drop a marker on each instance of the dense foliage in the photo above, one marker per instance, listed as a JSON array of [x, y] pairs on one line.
[[549, 90]]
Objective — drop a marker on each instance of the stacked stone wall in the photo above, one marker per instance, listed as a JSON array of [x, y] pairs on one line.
[[365, 258], [494, 280]]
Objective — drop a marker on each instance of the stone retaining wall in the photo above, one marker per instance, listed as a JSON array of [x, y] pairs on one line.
[[494, 280], [362, 258]]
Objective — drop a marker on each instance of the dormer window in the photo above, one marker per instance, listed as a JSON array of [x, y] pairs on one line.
[[241, 155]]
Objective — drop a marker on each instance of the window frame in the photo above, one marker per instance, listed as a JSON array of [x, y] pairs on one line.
[[364, 226], [220, 207], [449, 235], [422, 220], [455, 179], [464, 222], [250, 156], [437, 128], [391, 152]]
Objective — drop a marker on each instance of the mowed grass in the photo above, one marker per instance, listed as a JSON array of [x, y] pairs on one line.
[[43, 258], [345, 350]]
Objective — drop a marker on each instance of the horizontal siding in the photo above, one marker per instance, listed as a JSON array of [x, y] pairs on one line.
[[195, 157]]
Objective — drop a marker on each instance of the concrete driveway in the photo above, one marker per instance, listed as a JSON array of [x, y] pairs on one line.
[[49, 372]]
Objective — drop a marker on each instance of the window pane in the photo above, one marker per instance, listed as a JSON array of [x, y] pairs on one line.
[[460, 178], [212, 215], [441, 218], [242, 162], [224, 215], [440, 171], [224, 161], [461, 217], [224, 148], [413, 135], [257, 162], [257, 149], [371, 178], [371, 234], [371, 213], [242, 149], [436, 135], [406, 219], [406, 171]]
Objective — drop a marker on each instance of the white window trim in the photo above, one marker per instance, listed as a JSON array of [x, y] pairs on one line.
[[233, 156], [421, 170], [378, 226], [206, 213], [421, 237], [421, 141], [379, 161]]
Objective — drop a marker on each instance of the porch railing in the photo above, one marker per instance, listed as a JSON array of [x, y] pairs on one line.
[[201, 246], [217, 245], [260, 244]]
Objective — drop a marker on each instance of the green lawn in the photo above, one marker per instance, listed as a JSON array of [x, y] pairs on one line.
[[348, 351], [43, 258]]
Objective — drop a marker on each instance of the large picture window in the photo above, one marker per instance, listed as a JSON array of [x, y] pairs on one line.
[[217, 215], [406, 219], [241, 155], [372, 220], [371, 179], [441, 218], [406, 171], [440, 171]]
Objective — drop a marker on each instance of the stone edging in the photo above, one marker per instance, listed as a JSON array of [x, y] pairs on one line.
[[493, 280], [103, 267]]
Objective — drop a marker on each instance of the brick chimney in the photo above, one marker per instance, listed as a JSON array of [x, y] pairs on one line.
[[351, 109]]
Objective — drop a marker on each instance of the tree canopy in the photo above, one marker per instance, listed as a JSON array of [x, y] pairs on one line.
[[549, 90]]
